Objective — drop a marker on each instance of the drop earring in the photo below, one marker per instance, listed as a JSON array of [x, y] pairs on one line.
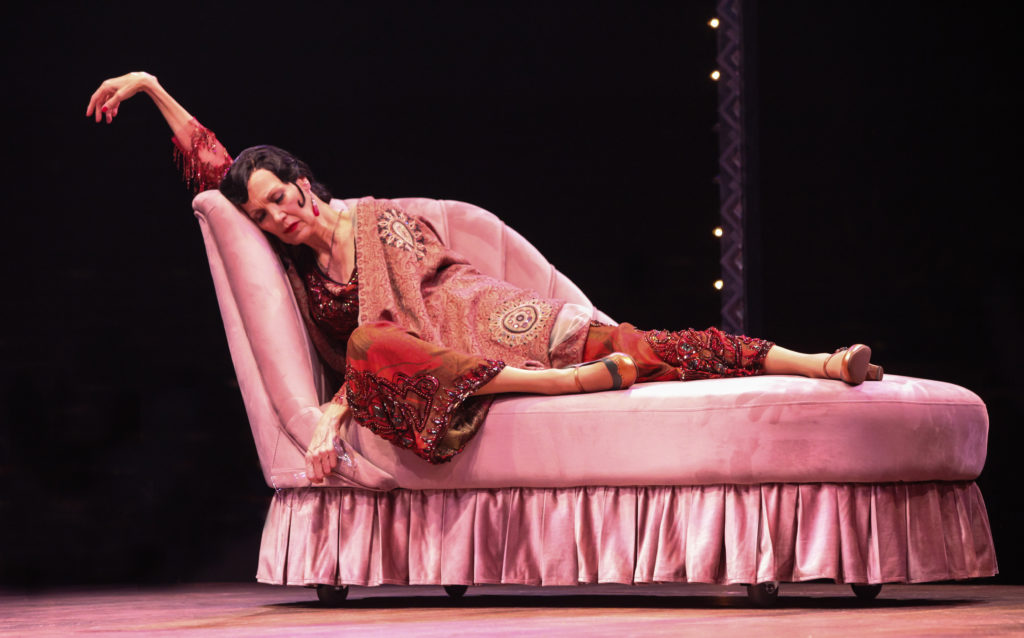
[[312, 200]]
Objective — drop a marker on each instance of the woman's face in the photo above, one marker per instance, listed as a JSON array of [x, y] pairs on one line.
[[279, 208]]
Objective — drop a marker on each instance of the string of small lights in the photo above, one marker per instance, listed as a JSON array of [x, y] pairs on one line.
[[717, 232]]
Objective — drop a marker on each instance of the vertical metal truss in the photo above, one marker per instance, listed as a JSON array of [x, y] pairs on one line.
[[730, 162]]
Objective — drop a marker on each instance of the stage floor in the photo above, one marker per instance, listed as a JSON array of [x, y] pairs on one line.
[[597, 610]]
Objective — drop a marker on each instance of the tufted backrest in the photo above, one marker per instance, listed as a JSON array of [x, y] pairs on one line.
[[279, 374]]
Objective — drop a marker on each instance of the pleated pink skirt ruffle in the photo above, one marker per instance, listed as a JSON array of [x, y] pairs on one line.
[[724, 534]]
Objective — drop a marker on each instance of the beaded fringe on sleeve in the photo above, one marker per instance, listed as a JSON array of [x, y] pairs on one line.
[[204, 161]]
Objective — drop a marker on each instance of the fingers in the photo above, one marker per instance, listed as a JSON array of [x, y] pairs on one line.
[[329, 458], [98, 100], [101, 108], [320, 460], [311, 472], [108, 110], [110, 106], [106, 100], [314, 468], [94, 106]]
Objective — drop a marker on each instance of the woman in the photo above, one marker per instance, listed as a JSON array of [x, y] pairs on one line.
[[422, 339]]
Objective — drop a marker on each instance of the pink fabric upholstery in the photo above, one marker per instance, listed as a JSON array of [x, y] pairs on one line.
[[254, 299], [739, 480]]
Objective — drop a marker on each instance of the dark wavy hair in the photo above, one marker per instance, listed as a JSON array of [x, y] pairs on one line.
[[287, 168]]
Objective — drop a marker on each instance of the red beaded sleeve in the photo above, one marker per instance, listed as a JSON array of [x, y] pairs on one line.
[[204, 161]]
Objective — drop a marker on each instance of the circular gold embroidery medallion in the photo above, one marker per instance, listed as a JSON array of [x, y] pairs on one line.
[[517, 322]]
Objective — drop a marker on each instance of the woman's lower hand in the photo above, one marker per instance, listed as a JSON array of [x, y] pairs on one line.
[[106, 100], [321, 454]]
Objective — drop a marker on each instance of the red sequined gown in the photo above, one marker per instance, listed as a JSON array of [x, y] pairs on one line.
[[419, 395]]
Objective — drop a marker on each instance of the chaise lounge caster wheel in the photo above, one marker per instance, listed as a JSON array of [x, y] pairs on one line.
[[866, 592], [455, 591], [763, 594], [332, 596]]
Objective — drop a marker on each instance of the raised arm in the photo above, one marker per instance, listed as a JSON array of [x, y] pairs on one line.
[[202, 158]]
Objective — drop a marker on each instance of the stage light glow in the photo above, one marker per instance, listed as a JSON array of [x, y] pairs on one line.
[[719, 284], [717, 231], [715, 75], [713, 23]]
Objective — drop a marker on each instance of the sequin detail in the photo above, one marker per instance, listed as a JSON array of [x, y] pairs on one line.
[[333, 306], [400, 231], [205, 162], [413, 412], [517, 322], [709, 354]]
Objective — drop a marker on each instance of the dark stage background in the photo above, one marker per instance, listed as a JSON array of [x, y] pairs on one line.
[[887, 162]]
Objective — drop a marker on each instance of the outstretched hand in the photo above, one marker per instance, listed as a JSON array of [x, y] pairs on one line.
[[106, 100]]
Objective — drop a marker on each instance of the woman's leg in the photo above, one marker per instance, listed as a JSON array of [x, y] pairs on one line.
[[421, 396], [852, 365], [530, 381], [686, 355], [777, 360], [663, 355], [782, 361], [592, 378]]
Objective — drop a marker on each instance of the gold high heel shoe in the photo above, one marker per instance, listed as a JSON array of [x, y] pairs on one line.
[[854, 367], [620, 366]]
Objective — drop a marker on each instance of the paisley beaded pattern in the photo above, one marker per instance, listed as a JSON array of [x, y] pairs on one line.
[[517, 322], [413, 412], [396, 409], [708, 354], [397, 229]]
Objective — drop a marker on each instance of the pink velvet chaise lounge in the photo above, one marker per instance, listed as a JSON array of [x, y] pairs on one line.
[[755, 480]]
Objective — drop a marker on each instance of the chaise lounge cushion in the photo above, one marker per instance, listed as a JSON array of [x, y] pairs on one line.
[[769, 429]]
